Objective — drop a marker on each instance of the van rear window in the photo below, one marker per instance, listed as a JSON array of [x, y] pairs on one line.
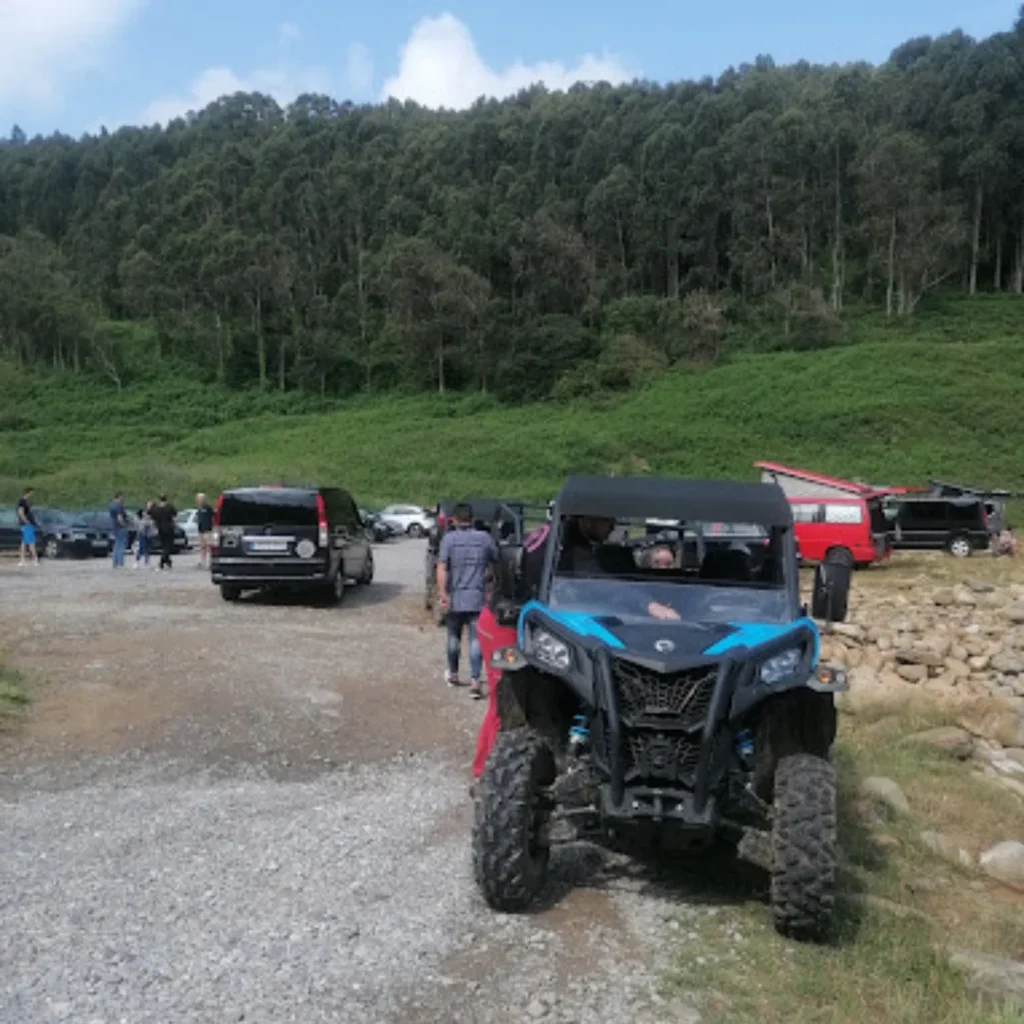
[[269, 507], [847, 515]]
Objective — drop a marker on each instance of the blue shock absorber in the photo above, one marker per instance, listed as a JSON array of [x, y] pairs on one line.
[[745, 744], [579, 733]]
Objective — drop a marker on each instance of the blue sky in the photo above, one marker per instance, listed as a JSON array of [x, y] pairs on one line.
[[72, 65]]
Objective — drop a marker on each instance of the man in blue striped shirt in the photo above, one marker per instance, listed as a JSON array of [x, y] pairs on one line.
[[463, 564]]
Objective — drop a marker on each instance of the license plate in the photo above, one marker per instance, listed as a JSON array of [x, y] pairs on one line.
[[100, 544], [267, 544]]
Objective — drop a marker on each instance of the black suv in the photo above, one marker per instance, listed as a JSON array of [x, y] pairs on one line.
[[956, 525], [297, 538]]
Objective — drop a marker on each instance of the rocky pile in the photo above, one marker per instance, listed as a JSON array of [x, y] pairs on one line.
[[968, 639]]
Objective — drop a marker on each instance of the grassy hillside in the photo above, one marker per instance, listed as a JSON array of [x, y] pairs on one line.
[[904, 406]]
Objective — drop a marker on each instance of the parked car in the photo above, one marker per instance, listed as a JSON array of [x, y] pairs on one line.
[[59, 534], [957, 525], [852, 530], [410, 520], [299, 538], [186, 520], [98, 519], [377, 529]]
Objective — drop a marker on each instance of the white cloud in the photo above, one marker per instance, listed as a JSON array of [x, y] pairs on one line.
[[289, 32], [440, 67], [359, 68], [284, 84], [44, 42]]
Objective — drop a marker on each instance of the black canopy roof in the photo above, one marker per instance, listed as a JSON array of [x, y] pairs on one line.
[[727, 501]]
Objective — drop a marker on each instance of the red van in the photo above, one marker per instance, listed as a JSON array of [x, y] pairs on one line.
[[853, 528]]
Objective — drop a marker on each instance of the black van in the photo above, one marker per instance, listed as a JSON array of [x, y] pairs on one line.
[[298, 538], [956, 525]]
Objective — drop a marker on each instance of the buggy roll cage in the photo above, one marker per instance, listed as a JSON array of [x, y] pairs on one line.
[[646, 498]]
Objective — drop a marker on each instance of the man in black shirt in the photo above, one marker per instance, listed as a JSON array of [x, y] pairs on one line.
[[204, 524], [27, 522], [163, 514]]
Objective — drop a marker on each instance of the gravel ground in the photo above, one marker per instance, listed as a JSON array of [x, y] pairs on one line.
[[258, 812]]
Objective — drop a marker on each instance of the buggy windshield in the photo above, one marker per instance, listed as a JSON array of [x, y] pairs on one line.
[[632, 600], [671, 569]]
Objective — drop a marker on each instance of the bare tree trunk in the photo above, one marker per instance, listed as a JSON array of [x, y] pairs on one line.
[[220, 347], [890, 288], [771, 236], [364, 344], [261, 342], [979, 197], [1018, 269], [440, 366], [622, 258], [837, 244], [672, 260], [999, 259]]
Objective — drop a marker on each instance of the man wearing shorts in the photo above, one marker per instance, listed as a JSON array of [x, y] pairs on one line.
[[204, 525], [27, 521], [463, 561]]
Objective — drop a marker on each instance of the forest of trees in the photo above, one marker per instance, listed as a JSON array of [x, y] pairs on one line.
[[548, 242]]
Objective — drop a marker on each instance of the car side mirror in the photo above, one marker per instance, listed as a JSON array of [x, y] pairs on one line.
[[830, 599]]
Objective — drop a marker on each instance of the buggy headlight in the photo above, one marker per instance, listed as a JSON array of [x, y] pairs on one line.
[[551, 651], [777, 668]]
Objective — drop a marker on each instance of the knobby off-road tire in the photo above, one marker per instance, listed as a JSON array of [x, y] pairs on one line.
[[510, 845], [804, 847]]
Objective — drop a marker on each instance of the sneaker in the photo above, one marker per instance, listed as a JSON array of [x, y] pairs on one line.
[[475, 690], [451, 680]]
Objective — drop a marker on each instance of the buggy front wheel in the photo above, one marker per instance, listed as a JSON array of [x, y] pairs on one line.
[[510, 841], [804, 847]]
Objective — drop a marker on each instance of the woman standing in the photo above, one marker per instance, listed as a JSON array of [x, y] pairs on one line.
[[144, 531]]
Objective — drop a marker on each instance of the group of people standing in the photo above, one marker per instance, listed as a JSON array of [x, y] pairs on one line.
[[154, 530]]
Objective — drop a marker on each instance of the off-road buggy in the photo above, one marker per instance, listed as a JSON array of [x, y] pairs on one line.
[[672, 706], [502, 518]]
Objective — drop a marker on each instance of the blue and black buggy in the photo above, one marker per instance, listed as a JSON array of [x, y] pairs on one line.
[[665, 687]]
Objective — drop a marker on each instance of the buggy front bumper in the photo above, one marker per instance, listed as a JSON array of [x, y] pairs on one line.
[[642, 805]]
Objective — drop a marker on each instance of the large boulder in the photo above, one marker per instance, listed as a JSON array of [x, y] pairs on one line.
[[949, 740], [1005, 863], [944, 847], [886, 791], [913, 673], [1004, 727], [920, 656], [1008, 662], [996, 979]]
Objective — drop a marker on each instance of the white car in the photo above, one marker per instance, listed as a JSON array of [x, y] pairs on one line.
[[410, 520], [186, 519]]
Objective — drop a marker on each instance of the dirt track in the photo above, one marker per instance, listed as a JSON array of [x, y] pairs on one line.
[[258, 812]]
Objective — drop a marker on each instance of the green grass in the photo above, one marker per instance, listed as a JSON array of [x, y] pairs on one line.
[[886, 963], [13, 696], [898, 403]]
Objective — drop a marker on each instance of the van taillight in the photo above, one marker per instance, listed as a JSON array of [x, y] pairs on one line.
[[215, 536], [441, 520], [321, 512]]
